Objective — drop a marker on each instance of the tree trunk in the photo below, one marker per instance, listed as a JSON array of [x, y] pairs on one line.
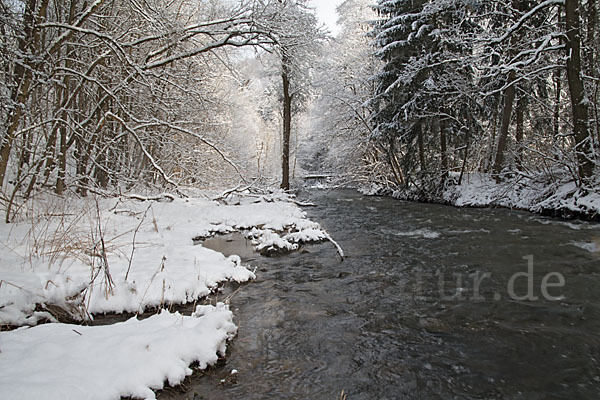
[[558, 83], [509, 98], [63, 147], [579, 101], [394, 164], [21, 80], [519, 134], [27, 150], [50, 153], [592, 50], [62, 161], [287, 127], [591, 42], [489, 154], [443, 149], [100, 173], [419, 129], [464, 164], [15, 118]]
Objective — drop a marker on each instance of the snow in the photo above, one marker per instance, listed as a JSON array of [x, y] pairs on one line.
[[537, 194], [270, 241], [371, 189], [124, 255], [593, 247], [62, 361]]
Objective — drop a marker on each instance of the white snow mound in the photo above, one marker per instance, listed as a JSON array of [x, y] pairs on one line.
[[63, 362]]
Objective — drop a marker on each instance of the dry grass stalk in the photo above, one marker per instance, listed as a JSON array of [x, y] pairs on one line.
[[161, 269], [134, 236]]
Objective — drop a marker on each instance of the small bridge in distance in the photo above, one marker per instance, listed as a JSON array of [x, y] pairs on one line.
[[319, 176]]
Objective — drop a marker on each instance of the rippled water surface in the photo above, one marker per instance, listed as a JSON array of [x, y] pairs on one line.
[[402, 316]]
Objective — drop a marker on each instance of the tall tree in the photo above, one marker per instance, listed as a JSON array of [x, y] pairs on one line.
[[297, 35], [579, 98], [425, 90]]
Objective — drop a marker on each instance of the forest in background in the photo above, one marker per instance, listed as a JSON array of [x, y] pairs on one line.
[[108, 96], [442, 89], [413, 96]]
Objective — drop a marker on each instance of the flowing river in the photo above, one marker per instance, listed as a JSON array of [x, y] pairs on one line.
[[431, 302]]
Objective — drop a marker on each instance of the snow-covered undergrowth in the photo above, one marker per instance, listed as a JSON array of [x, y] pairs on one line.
[[536, 194], [71, 259]]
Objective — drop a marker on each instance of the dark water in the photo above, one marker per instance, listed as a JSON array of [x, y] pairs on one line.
[[401, 317]]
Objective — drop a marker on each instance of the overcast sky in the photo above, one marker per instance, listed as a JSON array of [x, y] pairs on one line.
[[326, 13]]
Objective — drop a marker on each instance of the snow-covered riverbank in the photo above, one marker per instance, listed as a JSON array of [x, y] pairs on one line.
[[542, 196], [76, 258], [561, 199]]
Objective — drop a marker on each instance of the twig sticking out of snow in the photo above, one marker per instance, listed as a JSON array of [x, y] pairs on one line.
[[110, 284], [133, 242], [337, 246]]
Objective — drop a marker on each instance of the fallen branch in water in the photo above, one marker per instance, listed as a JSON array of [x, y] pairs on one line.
[[302, 204], [337, 246]]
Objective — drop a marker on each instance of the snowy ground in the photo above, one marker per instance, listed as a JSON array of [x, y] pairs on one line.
[[123, 255]]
